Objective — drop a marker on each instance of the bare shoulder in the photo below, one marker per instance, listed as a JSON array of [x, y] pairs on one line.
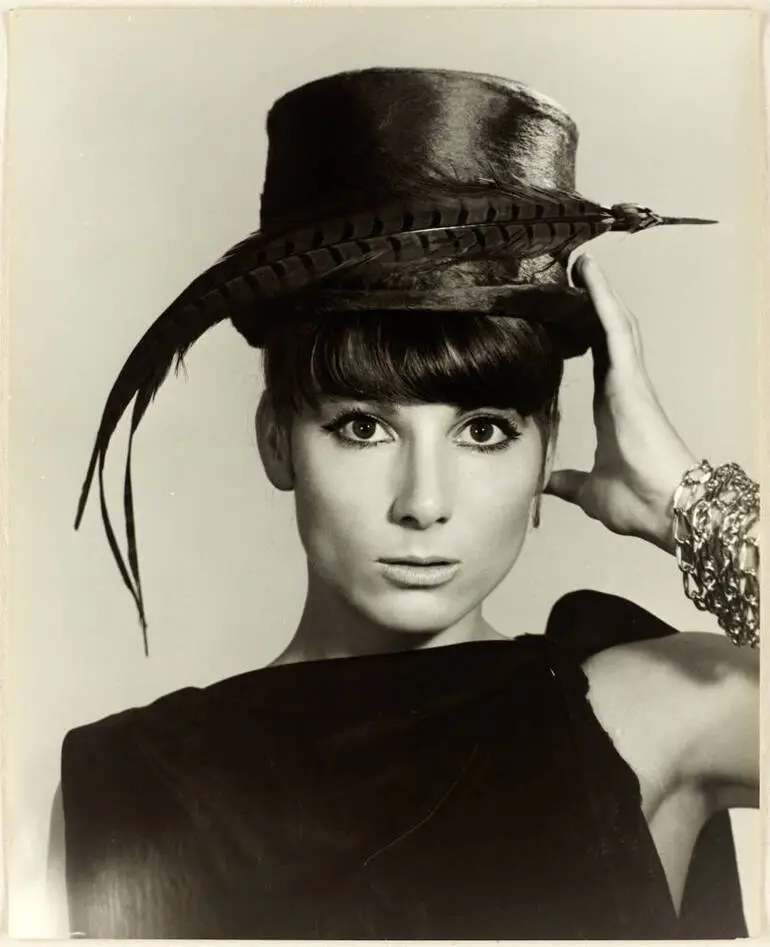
[[694, 662], [682, 709]]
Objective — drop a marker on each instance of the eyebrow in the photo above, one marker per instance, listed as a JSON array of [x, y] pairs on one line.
[[391, 408]]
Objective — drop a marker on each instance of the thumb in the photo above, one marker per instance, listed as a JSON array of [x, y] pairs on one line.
[[566, 484]]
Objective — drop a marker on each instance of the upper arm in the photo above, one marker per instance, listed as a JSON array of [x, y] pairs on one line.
[[56, 885], [125, 859], [683, 709], [722, 751]]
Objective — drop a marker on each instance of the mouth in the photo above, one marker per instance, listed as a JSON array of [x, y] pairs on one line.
[[419, 561], [419, 572]]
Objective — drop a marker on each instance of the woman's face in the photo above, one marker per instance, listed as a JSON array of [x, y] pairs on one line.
[[412, 514]]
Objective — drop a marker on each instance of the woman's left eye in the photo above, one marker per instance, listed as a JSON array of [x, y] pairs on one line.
[[360, 430], [488, 433]]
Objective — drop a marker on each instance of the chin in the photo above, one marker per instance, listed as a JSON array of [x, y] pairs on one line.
[[415, 612]]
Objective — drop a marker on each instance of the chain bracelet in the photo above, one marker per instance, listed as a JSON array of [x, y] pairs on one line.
[[716, 515]]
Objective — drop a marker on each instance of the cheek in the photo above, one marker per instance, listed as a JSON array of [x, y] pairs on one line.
[[501, 494], [498, 534], [498, 500], [332, 502]]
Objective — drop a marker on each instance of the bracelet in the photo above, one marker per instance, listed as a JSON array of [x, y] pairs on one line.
[[716, 513]]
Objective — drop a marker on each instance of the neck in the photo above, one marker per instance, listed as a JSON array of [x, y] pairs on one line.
[[329, 629]]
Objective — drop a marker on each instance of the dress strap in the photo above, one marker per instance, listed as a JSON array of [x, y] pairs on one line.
[[587, 622]]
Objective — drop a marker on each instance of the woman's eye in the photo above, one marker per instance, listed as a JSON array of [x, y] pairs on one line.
[[482, 432], [358, 429], [488, 432], [363, 429]]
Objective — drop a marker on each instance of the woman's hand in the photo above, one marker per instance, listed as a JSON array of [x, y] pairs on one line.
[[639, 458]]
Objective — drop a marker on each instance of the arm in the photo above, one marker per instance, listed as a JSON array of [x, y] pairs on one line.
[[699, 692], [693, 720], [639, 463], [722, 755], [55, 879], [639, 458]]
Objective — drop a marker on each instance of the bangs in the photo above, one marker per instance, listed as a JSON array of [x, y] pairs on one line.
[[464, 360]]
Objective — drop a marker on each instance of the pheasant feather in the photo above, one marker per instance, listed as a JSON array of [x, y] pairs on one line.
[[484, 221]]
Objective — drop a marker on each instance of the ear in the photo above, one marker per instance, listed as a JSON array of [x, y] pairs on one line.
[[274, 442], [549, 453], [550, 436]]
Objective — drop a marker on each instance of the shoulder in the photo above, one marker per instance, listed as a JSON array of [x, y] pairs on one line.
[[164, 718], [141, 792], [587, 621], [680, 707], [112, 738], [691, 699], [117, 771], [152, 748], [607, 630]]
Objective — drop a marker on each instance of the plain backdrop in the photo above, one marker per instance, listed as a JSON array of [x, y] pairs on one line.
[[135, 157]]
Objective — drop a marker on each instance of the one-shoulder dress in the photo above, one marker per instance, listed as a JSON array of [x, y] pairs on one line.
[[461, 792]]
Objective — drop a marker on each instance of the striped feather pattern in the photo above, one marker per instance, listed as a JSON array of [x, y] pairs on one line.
[[521, 223], [406, 233], [478, 222]]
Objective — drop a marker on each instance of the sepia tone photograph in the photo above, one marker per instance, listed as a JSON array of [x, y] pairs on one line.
[[383, 474]]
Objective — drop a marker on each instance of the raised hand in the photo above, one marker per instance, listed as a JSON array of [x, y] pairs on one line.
[[639, 458]]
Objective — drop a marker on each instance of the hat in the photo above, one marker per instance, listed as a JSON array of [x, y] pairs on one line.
[[373, 177]]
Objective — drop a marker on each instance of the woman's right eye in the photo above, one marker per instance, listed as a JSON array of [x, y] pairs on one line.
[[359, 430]]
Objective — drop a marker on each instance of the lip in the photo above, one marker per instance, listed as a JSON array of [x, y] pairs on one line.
[[419, 560], [419, 573]]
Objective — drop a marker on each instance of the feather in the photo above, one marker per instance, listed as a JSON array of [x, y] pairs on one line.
[[446, 222], [523, 222], [162, 347]]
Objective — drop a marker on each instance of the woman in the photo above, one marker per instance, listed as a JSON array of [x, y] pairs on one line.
[[403, 770]]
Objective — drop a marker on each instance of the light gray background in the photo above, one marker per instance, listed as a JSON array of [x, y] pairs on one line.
[[136, 156]]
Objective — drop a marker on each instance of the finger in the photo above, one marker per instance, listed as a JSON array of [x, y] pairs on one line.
[[566, 484], [599, 351], [601, 360], [619, 325]]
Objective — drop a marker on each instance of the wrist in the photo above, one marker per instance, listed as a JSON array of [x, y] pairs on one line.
[[663, 537], [662, 519], [716, 516]]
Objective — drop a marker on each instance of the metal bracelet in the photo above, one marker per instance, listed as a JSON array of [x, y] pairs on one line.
[[716, 513]]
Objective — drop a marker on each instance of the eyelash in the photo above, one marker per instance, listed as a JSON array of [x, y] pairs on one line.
[[506, 425], [335, 426]]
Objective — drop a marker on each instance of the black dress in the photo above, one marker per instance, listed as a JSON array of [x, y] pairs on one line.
[[459, 792]]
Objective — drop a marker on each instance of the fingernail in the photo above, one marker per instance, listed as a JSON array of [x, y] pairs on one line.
[[584, 260]]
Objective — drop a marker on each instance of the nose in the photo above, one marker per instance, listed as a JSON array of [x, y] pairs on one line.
[[423, 492]]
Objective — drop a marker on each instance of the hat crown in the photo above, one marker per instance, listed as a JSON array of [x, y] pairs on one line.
[[354, 138]]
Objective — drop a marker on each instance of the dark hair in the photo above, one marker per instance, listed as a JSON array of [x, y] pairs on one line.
[[463, 359]]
